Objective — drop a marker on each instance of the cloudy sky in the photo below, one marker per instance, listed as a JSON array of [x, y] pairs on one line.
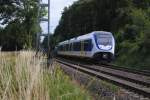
[[57, 7]]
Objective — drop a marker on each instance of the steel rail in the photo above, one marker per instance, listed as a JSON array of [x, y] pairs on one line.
[[112, 66], [136, 71]]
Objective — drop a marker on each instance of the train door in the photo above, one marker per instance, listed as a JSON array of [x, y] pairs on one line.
[[83, 53], [88, 47], [71, 49]]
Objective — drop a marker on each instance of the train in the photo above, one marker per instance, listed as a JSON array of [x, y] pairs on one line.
[[97, 45]]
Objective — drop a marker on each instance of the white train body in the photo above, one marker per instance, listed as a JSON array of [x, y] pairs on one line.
[[99, 45]]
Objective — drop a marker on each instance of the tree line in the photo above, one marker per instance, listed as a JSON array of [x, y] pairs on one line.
[[18, 24], [128, 20]]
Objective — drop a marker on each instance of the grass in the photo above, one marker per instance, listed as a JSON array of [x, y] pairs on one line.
[[24, 77]]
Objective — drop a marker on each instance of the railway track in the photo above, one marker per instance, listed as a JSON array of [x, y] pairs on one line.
[[112, 66], [136, 82], [136, 71]]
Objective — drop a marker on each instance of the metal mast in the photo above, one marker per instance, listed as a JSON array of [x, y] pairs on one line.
[[44, 5]]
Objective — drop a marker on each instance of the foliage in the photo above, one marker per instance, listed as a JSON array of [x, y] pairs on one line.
[[20, 21], [136, 42]]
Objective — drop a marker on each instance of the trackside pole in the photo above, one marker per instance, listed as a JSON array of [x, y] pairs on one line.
[[48, 40], [38, 47]]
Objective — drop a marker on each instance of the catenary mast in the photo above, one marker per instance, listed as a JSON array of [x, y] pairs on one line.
[[40, 34]]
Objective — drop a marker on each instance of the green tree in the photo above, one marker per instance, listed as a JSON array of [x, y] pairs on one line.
[[20, 18]]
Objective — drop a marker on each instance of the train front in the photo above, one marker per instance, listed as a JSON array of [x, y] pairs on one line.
[[105, 46]]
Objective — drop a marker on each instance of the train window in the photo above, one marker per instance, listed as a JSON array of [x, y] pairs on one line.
[[88, 45], [63, 47], [60, 48], [76, 46], [67, 47], [71, 47]]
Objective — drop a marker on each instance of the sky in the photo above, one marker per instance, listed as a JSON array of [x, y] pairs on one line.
[[56, 10]]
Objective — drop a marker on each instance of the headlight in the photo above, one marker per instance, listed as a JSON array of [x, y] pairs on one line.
[[105, 56], [108, 47]]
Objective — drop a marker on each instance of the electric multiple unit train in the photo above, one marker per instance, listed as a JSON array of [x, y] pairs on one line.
[[98, 45]]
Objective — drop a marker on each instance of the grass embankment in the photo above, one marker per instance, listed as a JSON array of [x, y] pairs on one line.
[[23, 77]]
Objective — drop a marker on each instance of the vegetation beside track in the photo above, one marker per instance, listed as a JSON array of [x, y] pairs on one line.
[[22, 76]]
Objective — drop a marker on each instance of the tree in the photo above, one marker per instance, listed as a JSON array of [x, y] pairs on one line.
[[20, 18]]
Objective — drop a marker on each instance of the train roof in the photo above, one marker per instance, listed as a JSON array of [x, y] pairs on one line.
[[83, 37]]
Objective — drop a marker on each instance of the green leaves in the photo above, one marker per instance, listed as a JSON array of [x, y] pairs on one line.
[[136, 39], [20, 18]]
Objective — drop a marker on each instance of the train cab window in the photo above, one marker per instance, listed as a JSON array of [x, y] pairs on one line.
[[88, 45], [104, 39]]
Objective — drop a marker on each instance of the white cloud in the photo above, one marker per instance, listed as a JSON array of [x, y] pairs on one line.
[[57, 7]]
